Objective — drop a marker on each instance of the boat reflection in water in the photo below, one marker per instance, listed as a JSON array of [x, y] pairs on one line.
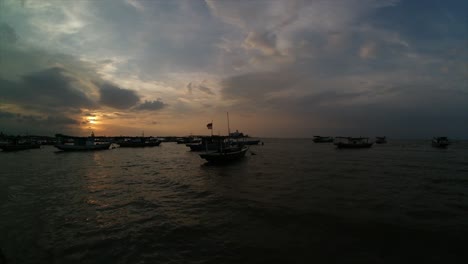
[[70, 143]]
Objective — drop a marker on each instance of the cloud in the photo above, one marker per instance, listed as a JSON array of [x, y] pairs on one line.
[[151, 105], [189, 88], [50, 88], [368, 51], [7, 33], [334, 61], [116, 97], [257, 85], [33, 123], [205, 89], [266, 42]]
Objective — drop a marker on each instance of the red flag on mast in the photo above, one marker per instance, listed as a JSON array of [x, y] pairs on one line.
[[209, 126]]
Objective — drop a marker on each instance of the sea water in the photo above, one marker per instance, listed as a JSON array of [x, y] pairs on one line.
[[288, 201]]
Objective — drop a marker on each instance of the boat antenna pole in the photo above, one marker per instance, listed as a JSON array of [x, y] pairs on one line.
[[211, 127], [229, 130]]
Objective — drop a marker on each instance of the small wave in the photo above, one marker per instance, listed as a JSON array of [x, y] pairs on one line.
[[430, 214]]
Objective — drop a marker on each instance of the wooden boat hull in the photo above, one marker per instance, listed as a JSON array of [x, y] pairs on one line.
[[354, 146], [251, 142], [224, 156], [19, 147], [66, 147], [201, 147], [323, 140], [440, 145]]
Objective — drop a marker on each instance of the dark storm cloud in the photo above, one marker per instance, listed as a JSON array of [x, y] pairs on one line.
[[151, 105], [33, 120], [21, 123], [50, 88], [116, 97]]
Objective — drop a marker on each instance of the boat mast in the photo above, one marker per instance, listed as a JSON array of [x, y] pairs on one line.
[[229, 130]]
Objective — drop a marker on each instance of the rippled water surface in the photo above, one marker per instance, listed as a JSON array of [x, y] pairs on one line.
[[289, 201]]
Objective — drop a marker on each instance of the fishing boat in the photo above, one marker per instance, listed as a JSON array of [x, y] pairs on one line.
[[440, 142], [188, 140], [226, 151], [70, 143], [207, 143], [320, 139], [352, 142], [17, 145], [380, 140]]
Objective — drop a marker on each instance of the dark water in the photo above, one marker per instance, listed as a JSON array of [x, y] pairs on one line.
[[292, 202]]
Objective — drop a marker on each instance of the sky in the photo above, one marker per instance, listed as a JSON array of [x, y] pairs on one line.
[[280, 68]]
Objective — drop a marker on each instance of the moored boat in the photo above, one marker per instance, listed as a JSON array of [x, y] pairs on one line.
[[207, 143], [19, 146], [139, 142], [70, 143], [225, 154], [440, 142], [380, 140], [246, 139], [320, 139], [352, 142]]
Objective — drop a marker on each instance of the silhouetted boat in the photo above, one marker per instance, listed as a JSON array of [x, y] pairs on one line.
[[352, 142], [246, 139], [440, 142], [70, 143], [225, 153], [188, 140], [319, 139], [380, 140], [251, 142], [207, 143], [139, 142], [20, 146]]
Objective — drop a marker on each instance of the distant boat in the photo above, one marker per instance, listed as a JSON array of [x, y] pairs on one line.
[[139, 142], [352, 142], [440, 142], [380, 140], [225, 152], [70, 143], [16, 146], [188, 140], [320, 139], [246, 139]]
